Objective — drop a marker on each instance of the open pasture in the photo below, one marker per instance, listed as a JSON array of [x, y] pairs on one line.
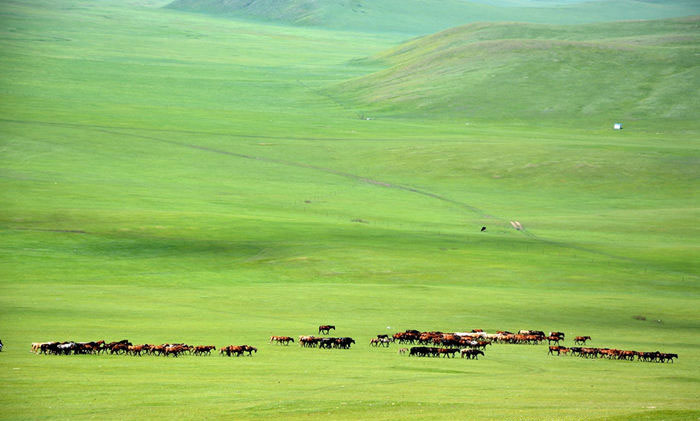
[[170, 177]]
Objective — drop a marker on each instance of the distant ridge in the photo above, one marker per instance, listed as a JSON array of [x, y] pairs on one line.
[[294, 11], [427, 16], [647, 69]]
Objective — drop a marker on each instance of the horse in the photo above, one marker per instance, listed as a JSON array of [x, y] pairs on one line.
[[309, 341], [581, 340], [419, 351], [281, 339], [447, 352], [589, 352], [232, 349], [327, 343], [203, 349], [471, 354], [136, 350], [119, 348], [344, 343], [174, 350], [554, 338], [325, 329], [669, 357]]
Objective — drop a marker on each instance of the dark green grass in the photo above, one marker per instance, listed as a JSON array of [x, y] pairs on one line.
[[173, 177]]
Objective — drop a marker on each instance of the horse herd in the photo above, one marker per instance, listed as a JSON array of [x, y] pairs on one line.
[[611, 353], [315, 341], [476, 338], [124, 347], [434, 344], [430, 351]]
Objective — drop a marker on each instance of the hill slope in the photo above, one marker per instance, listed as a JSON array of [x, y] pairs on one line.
[[427, 16], [517, 71]]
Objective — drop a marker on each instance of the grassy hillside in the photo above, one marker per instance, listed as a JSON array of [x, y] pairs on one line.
[[167, 176], [633, 71], [427, 16]]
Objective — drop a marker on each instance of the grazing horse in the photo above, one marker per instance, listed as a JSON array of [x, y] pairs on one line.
[[325, 329], [581, 340], [250, 349], [402, 350]]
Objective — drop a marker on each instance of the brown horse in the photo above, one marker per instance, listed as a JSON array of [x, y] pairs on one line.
[[325, 329], [203, 349], [581, 340], [284, 340], [554, 338], [447, 352]]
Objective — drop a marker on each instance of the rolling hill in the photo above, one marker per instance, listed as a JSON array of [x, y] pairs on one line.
[[427, 16], [630, 70]]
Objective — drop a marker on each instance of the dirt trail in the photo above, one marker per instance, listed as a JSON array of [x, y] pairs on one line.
[[473, 209]]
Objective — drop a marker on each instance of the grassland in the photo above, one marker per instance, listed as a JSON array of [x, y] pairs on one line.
[[428, 16], [177, 177], [632, 71]]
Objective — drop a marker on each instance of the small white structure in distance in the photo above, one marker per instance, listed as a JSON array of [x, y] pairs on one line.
[[617, 126]]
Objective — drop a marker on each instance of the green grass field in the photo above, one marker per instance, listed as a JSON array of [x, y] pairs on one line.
[[169, 176]]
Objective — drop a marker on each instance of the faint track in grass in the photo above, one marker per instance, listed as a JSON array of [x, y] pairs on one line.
[[479, 212]]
